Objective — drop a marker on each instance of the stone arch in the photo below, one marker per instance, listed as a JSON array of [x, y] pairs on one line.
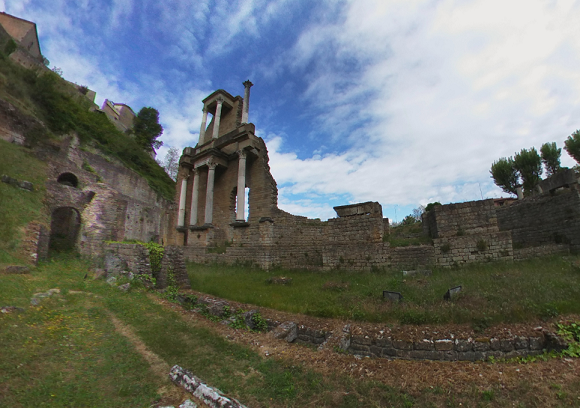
[[68, 179], [65, 225]]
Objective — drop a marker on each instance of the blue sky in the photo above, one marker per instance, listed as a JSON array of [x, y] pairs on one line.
[[400, 102]]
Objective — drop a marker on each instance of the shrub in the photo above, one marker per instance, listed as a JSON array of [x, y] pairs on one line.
[[481, 245], [572, 145]]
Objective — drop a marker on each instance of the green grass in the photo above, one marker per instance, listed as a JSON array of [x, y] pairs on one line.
[[19, 207], [64, 110], [67, 353], [492, 293], [404, 235]]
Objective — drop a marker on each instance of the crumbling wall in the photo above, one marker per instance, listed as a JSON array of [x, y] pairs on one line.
[[472, 217], [544, 220]]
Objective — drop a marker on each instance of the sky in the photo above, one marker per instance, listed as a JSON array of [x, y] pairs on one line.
[[402, 102]]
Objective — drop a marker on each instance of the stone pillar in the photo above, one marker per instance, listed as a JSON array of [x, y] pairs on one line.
[[209, 193], [246, 110], [194, 198], [217, 116], [181, 214], [203, 125], [241, 200], [520, 193]]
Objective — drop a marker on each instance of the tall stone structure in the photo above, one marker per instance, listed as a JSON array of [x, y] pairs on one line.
[[227, 167]]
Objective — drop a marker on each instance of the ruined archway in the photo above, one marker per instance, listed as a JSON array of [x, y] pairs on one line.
[[64, 229], [68, 179]]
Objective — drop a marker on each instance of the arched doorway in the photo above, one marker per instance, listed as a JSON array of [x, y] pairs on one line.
[[64, 229], [68, 179]]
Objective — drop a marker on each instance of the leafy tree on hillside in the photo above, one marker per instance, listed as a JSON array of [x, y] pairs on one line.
[[551, 158], [529, 164], [147, 129], [505, 175], [572, 145]]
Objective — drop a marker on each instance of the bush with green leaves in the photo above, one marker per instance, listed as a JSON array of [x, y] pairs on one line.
[[551, 158]]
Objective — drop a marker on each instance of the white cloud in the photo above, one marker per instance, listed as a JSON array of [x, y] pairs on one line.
[[445, 89]]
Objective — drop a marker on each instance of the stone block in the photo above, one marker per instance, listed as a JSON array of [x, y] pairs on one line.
[[463, 346], [536, 343], [506, 345], [403, 345], [384, 342], [521, 343], [287, 331], [426, 355], [444, 345], [424, 345], [481, 345], [16, 269]]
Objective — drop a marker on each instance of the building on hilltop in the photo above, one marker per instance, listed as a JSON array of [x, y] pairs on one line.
[[25, 35], [120, 114]]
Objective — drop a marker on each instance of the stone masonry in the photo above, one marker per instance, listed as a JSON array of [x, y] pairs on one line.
[[229, 159]]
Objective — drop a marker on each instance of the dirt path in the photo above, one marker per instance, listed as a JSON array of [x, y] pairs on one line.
[[171, 394]]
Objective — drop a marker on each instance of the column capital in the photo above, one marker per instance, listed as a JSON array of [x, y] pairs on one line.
[[241, 153], [211, 165], [204, 109], [248, 84], [220, 100]]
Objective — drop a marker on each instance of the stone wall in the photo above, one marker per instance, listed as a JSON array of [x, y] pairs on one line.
[[544, 220], [456, 251], [473, 217], [127, 257]]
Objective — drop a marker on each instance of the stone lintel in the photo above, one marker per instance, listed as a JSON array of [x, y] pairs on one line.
[[240, 224], [266, 219], [216, 157], [370, 207], [181, 229], [200, 227]]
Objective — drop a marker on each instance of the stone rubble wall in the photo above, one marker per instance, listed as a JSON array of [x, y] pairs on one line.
[[469, 218], [134, 256], [454, 251], [447, 349], [173, 262], [543, 220]]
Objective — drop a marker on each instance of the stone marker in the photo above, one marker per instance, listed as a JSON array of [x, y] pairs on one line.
[[452, 292], [210, 396], [287, 331], [392, 296]]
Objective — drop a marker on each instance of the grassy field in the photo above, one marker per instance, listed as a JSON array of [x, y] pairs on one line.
[[66, 352], [70, 352], [492, 293]]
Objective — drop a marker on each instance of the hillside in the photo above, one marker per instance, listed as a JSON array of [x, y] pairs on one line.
[[50, 130]]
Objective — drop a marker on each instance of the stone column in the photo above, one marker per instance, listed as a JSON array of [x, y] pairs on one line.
[[246, 109], [217, 116], [241, 200], [209, 193], [203, 125], [194, 198], [181, 214]]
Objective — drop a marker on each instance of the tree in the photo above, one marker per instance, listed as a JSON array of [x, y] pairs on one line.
[[551, 158], [170, 162], [418, 212], [529, 164], [505, 175], [572, 145], [147, 129]]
